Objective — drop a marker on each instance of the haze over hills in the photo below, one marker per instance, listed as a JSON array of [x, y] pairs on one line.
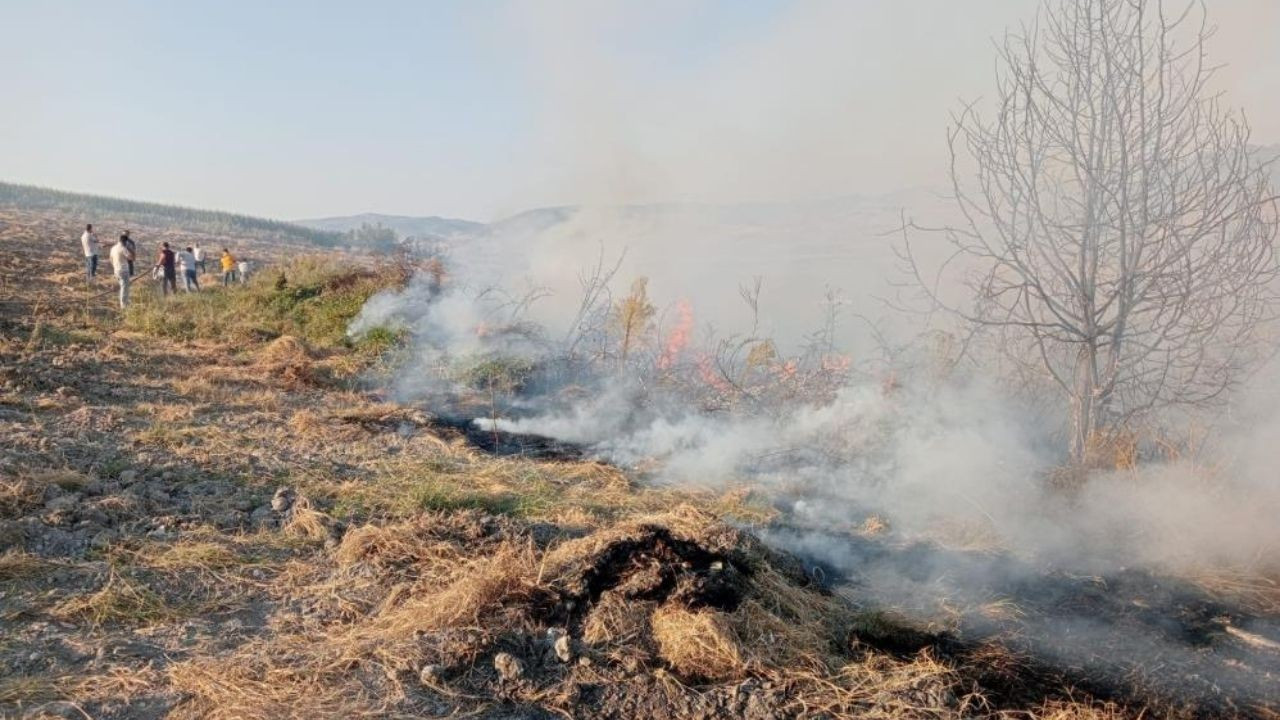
[[404, 226]]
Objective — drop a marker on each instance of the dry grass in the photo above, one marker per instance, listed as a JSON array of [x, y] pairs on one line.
[[617, 620], [307, 523], [19, 565], [290, 360], [23, 492], [115, 684], [698, 644], [433, 570], [880, 687], [120, 600], [29, 690]]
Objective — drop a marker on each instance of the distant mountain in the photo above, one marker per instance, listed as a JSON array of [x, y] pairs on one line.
[[405, 226], [98, 207]]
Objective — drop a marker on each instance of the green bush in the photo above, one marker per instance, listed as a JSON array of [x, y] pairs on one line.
[[316, 304], [503, 373]]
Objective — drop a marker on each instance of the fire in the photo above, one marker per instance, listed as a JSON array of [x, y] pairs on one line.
[[707, 372], [836, 363], [678, 339]]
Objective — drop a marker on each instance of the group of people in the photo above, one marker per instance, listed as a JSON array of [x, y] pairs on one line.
[[190, 260]]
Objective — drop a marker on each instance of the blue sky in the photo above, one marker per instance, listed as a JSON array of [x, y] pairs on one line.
[[480, 109]]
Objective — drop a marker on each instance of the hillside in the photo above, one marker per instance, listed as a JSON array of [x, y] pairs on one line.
[[155, 216], [403, 225], [209, 509]]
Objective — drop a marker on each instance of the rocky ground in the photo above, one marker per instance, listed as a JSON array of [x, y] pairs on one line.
[[208, 509]]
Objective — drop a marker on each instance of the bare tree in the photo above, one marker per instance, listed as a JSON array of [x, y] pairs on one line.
[[1117, 234]]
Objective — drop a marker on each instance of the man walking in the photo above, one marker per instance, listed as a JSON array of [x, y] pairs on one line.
[[122, 264], [188, 261], [165, 262], [132, 247], [199, 254], [228, 267], [89, 242]]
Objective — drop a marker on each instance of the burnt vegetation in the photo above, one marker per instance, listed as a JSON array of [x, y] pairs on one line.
[[361, 487]]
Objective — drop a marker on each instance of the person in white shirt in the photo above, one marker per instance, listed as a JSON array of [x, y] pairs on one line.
[[243, 268], [199, 253], [89, 242], [187, 259], [121, 259]]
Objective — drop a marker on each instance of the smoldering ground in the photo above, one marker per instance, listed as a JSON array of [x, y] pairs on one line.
[[923, 489], [918, 482]]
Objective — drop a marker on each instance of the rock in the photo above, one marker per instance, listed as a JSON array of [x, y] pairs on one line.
[[55, 542], [102, 540], [564, 650], [11, 533], [128, 477], [62, 503], [51, 492], [508, 666], [94, 516], [228, 519], [283, 499], [262, 516], [560, 644], [93, 487], [429, 675]]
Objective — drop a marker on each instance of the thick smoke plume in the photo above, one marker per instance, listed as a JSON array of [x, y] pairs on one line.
[[936, 450], [900, 455]]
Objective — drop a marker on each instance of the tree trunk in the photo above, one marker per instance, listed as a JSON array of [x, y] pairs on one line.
[[1084, 408]]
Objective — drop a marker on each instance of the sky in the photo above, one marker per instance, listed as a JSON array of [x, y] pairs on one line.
[[482, 109]]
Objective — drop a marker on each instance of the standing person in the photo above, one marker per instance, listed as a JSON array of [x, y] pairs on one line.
[[188, 261], [228, 267], [242, 267], [165, 263], [122, 264], [199, 253], [131, 247], [89, 242]]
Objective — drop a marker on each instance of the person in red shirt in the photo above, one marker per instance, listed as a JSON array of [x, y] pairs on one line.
[[166, 262]]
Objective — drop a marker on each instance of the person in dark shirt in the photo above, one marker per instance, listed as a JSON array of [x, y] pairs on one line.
[[131, 247], [166, 262]]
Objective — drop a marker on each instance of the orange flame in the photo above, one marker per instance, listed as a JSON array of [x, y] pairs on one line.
[[707, 371], [678, 339]]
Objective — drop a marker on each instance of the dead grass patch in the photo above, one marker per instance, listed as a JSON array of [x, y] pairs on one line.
[[697, 644], [20, 565], [289, 360], [29, 690], [120, 600], [307, 523], [20, 494]]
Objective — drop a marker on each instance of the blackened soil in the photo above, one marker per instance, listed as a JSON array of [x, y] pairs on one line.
[[498, 442], [1130, 636]]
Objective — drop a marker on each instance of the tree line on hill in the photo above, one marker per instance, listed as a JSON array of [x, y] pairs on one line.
[[213, 222]]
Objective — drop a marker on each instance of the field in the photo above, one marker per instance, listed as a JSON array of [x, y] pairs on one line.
[[209, 508]]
